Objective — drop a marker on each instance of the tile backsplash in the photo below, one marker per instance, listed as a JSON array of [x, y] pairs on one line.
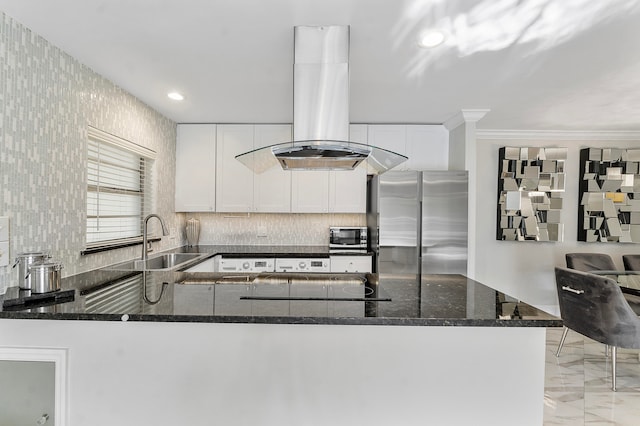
[[270, 229]]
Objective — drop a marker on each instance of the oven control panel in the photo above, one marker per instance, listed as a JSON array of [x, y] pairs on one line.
[[247, 265], [303, 265]]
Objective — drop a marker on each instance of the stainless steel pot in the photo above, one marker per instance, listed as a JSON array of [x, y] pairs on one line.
[[45, 277], [23, 261]]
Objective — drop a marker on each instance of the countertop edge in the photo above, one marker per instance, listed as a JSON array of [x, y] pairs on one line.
[[431, 322]]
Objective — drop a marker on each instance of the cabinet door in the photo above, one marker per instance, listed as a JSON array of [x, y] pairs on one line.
[[392, 137], [348, 189], [195, 189], [234, 180], [427, 147], [227, 299], [192, 299], [350, 263], [309, 191], [272, 188], [209, 265]]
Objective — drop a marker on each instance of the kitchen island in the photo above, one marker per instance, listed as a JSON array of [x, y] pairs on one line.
[[208, 348]]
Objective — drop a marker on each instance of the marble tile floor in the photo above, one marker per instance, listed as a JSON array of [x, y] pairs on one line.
[[578, 384]]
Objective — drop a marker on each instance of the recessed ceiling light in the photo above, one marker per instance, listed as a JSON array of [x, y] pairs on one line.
[[175, 96], [431, 38]]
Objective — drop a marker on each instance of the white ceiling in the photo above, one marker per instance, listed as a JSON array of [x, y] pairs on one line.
[[536, 64]]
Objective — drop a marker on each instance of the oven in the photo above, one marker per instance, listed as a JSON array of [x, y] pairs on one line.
[[352, 238]]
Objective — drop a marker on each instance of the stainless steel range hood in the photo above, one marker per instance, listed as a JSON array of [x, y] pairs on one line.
[[321, 111]]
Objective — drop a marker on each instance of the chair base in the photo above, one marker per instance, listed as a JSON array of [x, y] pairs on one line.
[[565, 331]]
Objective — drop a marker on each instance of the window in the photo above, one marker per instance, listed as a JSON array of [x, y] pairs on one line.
[[119, 190]]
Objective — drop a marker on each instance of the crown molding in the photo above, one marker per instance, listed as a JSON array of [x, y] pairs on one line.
[[565, 135], [465, 116]]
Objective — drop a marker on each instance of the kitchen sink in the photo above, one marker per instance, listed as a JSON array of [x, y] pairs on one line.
[[163, 262]]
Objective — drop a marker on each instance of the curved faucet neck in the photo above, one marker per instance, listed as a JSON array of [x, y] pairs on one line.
[[145, 251]]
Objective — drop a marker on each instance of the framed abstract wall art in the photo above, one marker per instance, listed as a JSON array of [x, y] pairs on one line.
[[531, 183], [609, 209]]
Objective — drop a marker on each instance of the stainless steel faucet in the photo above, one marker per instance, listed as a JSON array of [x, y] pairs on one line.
[[145, 252]]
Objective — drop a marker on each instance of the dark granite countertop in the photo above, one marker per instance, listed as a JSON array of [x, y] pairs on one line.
[[276, 298]]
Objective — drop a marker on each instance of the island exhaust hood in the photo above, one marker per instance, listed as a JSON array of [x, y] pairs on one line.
[[321, 111]]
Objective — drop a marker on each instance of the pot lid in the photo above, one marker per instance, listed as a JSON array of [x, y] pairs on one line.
[[46, 265]]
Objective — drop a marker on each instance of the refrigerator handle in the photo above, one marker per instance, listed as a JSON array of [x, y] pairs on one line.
[[419, 233], [419, 206]]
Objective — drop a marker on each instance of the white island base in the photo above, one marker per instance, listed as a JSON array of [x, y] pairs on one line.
[[164, 373]]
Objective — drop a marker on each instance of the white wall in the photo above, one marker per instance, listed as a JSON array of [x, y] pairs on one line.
[[525, 269], [158, 373]]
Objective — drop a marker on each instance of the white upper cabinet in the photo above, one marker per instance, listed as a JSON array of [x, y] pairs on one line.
[[426, 146], [332, 191], [272, 188], [209, 178], [234, 180], [392, 137], [309, 191], [348, 189], [238, 188], [195, 168]]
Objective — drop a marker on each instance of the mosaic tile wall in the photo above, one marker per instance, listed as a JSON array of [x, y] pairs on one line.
[[609, 209], [271, 229], [48, 98], [531, 183]]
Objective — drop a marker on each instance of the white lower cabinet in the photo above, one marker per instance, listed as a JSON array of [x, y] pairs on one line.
[[208, 265], [193, 299], [350, 263], [228, 299]]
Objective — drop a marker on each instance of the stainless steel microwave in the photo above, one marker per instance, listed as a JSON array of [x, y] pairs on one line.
[[348, 237]]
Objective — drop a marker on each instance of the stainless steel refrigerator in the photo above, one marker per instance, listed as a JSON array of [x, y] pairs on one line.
[[418, 222]]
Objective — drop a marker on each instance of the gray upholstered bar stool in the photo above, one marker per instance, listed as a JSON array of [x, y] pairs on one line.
[[585, 262], [631, 262], [594, 306]]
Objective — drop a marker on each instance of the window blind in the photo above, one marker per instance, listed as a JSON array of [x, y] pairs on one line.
[[119, 189]]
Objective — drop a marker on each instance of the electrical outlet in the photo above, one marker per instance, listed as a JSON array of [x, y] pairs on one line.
[[262, 231], [4, 228], [4, 241], [4, 253]]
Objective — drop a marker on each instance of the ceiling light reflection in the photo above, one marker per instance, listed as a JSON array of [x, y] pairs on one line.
[[431, 39], [175, 96], [492, 25]]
